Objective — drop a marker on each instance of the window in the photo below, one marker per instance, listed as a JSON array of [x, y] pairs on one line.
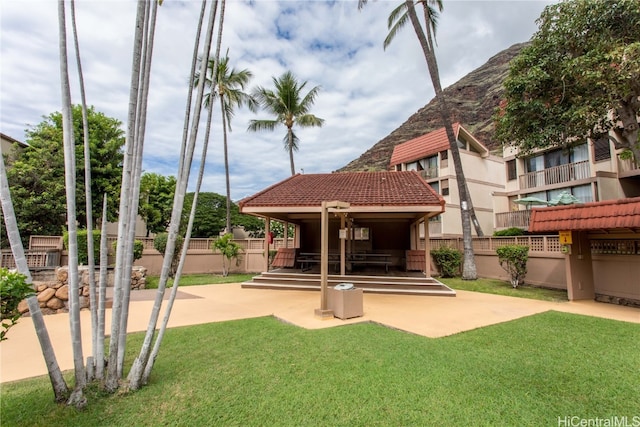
[[601, 149], [444, 159], [435, 186], [445, 187], [535, 163], [511, 170]]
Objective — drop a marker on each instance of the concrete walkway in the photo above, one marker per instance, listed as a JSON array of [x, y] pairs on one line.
[[21, 357]]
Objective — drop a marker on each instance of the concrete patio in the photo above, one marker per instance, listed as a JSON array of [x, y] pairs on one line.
[[20, 355]]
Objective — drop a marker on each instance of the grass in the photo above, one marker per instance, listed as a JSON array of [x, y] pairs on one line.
[[261, 372], [500, 287], [201, 279]]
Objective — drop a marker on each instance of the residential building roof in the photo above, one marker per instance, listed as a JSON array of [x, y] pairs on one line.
[[430, 144], [357, 188], [605, 215]]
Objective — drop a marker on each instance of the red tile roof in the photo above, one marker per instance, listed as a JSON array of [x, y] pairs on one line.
[[610, 214], [422, 146], [356, 188]]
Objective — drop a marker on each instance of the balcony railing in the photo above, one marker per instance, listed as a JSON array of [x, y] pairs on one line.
[[429, 173], [518, 219], [556, 175], [628, 165]]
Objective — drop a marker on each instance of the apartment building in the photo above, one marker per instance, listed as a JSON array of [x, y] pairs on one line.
[[430, 155], [591, 171]]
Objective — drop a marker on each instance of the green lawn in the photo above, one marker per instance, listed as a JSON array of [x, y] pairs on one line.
[[201, 279], [261, 372], [500, 287]]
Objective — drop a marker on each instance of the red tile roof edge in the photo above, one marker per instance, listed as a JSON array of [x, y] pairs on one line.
[[398, 157], [253, 196], [552, 218]]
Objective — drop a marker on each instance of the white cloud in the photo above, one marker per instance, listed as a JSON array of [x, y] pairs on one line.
[[366, 92]]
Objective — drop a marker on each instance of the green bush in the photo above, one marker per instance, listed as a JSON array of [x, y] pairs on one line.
[[138, 247], [13, 289], [513, 231], [83, 257], [229, 250], [448, 261], [513, 259], [160, 244]]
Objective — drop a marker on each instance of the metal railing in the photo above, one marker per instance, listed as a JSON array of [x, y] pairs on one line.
[[518, 219], [556, 175], [429, 173]]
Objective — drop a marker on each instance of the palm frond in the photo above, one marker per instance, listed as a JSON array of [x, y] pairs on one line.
[[262, 125]]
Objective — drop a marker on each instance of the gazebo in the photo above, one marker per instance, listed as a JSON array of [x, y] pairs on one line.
[[349, 221]]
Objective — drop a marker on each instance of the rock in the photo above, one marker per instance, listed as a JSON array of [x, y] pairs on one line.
[[62, 274], [23, 307], [40, 287], [63, 292], [84, 302], [55, 303], [46, 295]]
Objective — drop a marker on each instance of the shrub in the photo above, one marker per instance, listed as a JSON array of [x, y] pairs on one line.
[[160, 244], [13, 289], [448, 261], [513, 259], [513, 231], [138, 248], [229, 250], [83, 257]]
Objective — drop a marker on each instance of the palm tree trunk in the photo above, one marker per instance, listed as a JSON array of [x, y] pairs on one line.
[[290, 146], [60, 389], [102, 296], [88, 199], [466, 208], [137, 370], [226, 163], [77, 397], [112, 380]]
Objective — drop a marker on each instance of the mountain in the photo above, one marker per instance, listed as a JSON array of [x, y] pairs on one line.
[[472, 100]]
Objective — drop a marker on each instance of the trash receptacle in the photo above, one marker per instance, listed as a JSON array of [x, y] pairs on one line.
[[346, 301]]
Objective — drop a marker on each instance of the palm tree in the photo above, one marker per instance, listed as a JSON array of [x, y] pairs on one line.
[[289, 108], [397, 19], [227, 85]]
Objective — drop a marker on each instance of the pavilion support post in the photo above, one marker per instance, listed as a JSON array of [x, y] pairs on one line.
[[286, 234], [342, 245], [427, 247], [267, 230], [324, 311]]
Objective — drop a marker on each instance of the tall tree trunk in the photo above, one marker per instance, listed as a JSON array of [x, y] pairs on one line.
[[60, 389], [77, 397], [226, 163], [93, 306], [102, 296], [290, 146], [141, 121], [466, 208], [137, 370], [112, 380]]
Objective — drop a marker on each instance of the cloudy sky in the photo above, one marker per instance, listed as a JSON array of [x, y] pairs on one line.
[[366, 92]]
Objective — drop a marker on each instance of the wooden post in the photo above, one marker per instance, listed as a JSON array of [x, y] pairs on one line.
[[286, 234], [324, 311], [427, 248], [267, 230]]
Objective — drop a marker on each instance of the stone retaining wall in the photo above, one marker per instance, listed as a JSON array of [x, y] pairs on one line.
[[53, 295]]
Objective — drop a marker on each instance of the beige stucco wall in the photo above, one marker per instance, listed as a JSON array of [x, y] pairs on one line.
[[542, 270], [617, 275]]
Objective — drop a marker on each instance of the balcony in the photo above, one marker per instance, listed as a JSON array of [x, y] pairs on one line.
[[628, 167], [429, 173], [518, 219], [556, 175]]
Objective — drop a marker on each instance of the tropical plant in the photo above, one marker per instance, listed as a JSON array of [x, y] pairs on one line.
[[398, 18], [578, 78], [13, 289], [512, 231], [289, 106], [513, 259], [448, 261], [229, 250]]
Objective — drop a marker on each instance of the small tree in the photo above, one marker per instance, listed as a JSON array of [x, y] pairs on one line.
[[513, 259], [13, 289], [229, 250], [138, 248], [448, 261], [160, 244]]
